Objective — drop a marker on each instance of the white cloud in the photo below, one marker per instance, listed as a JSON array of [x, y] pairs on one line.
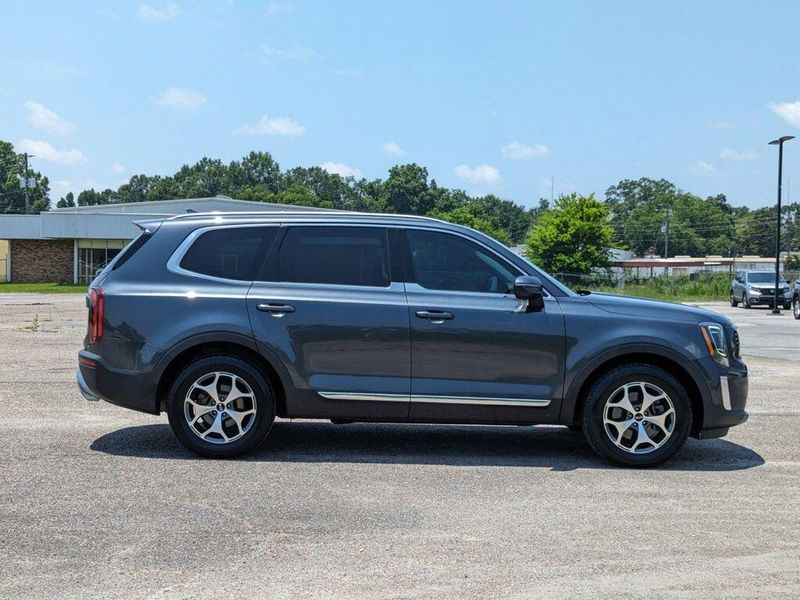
[[728, 154], [519, 151], [167, 12], [703, 168], [118, 168], [788, 111], [296, 53], [341, 169], [45, 151], [181, 98], [276, 126], [478, 175], [41, 117], [393, 149]]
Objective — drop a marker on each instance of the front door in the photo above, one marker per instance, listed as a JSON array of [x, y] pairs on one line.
[[476, 354], [337, 322]]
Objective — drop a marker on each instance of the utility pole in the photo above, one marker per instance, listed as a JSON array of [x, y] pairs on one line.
[[779, 143], [666, 236], [25, 180]]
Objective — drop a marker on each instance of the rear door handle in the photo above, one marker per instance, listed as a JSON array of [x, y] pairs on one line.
[[435, 316], [277, 310]]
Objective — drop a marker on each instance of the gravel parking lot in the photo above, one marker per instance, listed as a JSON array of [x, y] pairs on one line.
[[98, 501]]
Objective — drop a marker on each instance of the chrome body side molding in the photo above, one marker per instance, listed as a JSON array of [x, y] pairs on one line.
[[475, 400]]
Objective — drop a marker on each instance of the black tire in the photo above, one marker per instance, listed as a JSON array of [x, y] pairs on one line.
[[264, 404], [734, 301], [746, 301], [787, 305], [796, 307], [601, 391]]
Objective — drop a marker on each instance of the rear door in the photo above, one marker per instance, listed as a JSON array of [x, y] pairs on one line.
[[327, 306], [475, 353]]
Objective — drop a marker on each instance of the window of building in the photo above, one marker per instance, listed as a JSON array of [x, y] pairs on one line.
[[94, 255], [443, 261], [335, 256], [230, 252]]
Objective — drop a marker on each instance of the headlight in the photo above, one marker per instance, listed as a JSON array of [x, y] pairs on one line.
[[714, 336], [753, 290]]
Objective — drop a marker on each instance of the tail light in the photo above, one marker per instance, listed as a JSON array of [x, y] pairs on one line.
[[97, 305]]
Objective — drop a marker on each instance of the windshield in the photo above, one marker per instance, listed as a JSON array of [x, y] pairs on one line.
[[763, 278]]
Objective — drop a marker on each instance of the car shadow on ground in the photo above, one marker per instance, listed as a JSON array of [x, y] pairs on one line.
[[311, 442]]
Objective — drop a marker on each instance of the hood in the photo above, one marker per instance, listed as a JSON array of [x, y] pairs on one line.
[[654, 309]]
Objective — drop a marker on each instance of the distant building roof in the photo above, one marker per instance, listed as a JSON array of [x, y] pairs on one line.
[[115, 221]]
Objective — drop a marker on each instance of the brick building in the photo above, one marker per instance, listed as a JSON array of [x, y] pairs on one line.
[[70, 245]]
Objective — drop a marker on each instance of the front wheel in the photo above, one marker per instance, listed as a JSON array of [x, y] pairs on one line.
[[746, 302], [221, 406], [796, 307], [734, 301], [637, 415]]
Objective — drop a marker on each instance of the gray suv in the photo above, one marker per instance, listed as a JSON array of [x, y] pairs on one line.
[[225, 321], [758, 287]]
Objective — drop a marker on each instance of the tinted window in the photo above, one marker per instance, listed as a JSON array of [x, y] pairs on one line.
[[335, 255], [231, 252], [764, 278], [443, 261]]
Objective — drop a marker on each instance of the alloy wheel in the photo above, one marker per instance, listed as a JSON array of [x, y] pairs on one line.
[[639, 417], [220, 407]]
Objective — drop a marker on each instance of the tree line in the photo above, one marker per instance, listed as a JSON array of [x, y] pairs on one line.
[[572, 235]]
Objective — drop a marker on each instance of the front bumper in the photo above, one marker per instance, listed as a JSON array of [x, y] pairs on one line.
[[96, 381], [770, 299], [728, 397]]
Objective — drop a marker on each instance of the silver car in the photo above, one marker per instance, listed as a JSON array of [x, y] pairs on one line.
[[758, 287]]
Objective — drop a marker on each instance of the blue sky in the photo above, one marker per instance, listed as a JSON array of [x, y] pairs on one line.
[[490, 96]]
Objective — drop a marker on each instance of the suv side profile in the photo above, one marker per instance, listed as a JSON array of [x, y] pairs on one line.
[[758, 287], [225, 321]]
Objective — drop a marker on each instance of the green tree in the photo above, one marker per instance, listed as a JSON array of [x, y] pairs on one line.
[[12, 192], [572, 237], [407, 190], [67, 201], [470, 215]]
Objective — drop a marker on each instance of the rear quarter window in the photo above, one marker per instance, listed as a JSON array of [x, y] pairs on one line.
[[229, 253]]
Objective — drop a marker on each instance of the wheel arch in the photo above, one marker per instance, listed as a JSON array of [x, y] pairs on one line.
[[208, 345], [677, 366]]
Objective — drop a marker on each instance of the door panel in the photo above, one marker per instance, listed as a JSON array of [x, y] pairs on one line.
[[345, 347], [489, 359]]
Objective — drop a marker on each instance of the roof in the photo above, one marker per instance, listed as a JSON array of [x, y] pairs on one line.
[[115, 221], [695, 261], [180, 205]]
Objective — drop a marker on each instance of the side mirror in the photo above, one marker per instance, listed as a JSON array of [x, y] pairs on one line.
[[530, 288]]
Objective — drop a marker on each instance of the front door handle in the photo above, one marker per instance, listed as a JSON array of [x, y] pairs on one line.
[[277, 310], [435, 316]]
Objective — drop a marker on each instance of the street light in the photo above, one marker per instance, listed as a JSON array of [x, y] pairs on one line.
[[779, 143]]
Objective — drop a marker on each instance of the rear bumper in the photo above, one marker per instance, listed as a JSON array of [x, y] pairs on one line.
[[98, 382]]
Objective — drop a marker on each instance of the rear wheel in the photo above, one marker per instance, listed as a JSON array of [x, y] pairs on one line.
[[734, 301], [637, 415], [221, 406], [796, 307]]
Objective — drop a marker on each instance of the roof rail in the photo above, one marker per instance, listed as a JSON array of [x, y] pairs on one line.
[[344, 213]]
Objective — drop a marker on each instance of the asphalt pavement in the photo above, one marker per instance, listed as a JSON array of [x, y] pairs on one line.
[[99, 501]]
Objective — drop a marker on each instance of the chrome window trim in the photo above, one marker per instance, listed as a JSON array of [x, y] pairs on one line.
[[511, 266], [174, 262], [471, 400]]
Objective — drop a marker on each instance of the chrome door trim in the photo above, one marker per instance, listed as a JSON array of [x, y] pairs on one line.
[[473, 400], [482, 401], [368, 397]]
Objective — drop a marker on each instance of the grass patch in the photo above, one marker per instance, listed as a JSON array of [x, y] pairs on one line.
[[41, 288], [707, 287]]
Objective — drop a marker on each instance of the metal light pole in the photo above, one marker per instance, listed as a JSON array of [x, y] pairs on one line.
[[779, 143]]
